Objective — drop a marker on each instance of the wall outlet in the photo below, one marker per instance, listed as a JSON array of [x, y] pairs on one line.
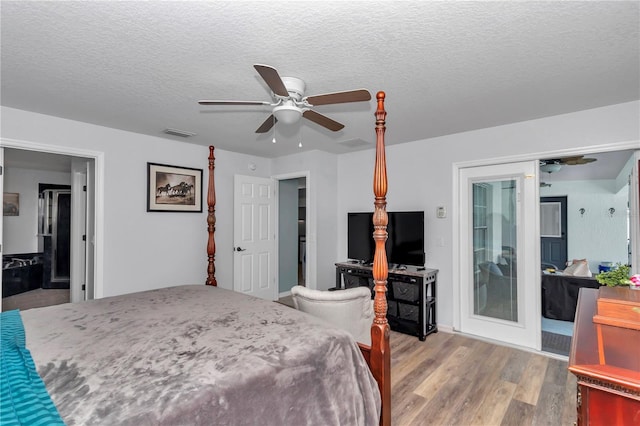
[[441, 212]]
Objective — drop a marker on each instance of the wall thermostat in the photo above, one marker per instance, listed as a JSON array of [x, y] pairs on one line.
[[441, 212]]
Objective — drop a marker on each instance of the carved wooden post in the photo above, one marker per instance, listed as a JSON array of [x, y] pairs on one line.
[[381, 355], [211, 222]]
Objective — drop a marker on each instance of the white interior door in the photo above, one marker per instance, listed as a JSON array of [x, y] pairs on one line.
[[499, 253], [90, 231], [254, 237], [78, 228]]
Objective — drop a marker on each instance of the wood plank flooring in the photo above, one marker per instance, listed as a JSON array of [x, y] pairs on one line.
[[450, 379]]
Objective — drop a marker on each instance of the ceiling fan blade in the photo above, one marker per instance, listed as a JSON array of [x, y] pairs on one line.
[[272, 78], [207, 102], [579, 161], [322, 120], [267, 125], [567, 160], [340, 97]]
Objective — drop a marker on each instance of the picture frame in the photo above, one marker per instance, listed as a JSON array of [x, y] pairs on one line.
[[10, 204], [173, 188]]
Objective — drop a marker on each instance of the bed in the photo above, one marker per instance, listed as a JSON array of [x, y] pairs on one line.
[[204, 355]]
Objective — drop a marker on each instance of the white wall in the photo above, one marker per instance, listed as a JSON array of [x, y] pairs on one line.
[[21, 232], [420, 173], [596, 235], [152, 250], [144, 250]]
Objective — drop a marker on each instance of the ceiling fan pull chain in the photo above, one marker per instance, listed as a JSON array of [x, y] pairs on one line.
[[300, 132], [274, 129]]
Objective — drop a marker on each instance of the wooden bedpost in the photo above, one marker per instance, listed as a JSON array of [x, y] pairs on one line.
[[380, 351], [211, 222]]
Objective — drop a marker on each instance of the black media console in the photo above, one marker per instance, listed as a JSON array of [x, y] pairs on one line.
[[411, 295]]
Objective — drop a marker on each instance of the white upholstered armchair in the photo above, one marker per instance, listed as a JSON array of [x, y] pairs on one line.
[[350, 309]]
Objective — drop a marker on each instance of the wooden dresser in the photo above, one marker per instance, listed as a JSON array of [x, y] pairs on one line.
[[605, 356]]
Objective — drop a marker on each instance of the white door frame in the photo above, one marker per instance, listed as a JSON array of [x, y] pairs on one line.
[[310, 264], [98, 158]]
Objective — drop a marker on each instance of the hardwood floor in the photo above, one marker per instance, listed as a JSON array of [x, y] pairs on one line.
[[450, 379]]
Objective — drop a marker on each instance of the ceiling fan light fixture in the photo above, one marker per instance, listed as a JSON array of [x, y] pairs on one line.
[[550, 167], [290, 103], [287, 114]]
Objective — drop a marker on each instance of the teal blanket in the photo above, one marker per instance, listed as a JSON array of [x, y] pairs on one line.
[[24, 400]]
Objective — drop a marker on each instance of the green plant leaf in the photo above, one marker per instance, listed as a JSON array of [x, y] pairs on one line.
[[619, 275]]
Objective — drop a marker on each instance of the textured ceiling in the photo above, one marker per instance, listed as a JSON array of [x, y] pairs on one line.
[[446, 67]]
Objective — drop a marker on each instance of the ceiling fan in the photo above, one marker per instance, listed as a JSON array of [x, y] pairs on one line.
[[555, 164], [289, 102]]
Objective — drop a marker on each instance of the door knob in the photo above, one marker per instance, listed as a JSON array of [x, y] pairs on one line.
[[240, 249]]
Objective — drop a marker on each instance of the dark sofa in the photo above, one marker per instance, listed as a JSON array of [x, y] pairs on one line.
[[560, 295]]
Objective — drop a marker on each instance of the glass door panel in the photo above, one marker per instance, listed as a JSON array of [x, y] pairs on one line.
[[494, 250]]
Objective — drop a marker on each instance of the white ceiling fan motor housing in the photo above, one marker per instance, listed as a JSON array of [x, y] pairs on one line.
[[290, 110], [295, 87]]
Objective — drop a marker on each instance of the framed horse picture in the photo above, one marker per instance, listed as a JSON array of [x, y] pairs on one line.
[[10, 204], [173, 188]]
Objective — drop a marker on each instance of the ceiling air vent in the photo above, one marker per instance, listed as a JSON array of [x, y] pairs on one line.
[[181, 133], [355, 143]]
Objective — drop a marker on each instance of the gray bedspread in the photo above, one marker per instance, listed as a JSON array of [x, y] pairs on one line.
[[198, 355]]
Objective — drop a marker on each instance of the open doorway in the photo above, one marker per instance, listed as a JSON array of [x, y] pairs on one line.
[[46, 258], [292, 232], [585, 221], [627, 245]]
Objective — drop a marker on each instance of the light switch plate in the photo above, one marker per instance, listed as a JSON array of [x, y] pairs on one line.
[[441, 212]]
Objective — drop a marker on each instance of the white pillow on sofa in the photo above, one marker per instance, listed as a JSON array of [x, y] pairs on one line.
[[578, 268]]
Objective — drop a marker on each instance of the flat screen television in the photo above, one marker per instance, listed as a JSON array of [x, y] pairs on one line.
[[405, 242]]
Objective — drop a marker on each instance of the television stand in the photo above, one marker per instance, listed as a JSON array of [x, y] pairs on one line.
[[411, 295]]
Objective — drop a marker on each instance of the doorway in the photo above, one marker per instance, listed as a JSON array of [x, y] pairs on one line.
[[292, 232], [54, 234], [586, 215], [583, 208], [26, 165]]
